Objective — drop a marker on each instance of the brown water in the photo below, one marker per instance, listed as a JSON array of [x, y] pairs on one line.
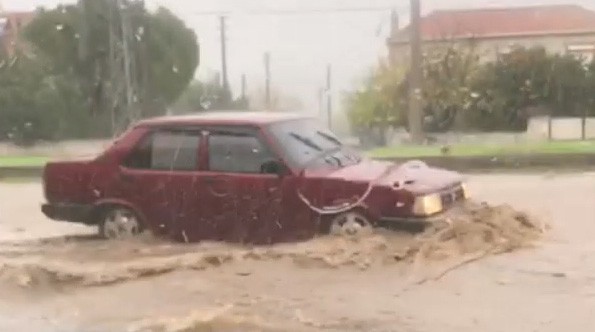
[[382, 282]]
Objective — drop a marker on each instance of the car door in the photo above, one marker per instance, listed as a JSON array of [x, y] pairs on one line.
[[242, 202], [160, 178]]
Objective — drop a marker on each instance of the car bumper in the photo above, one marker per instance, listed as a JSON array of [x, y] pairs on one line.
[[76, 213]]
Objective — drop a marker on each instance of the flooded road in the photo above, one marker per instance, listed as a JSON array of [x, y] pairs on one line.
[[79, 283]]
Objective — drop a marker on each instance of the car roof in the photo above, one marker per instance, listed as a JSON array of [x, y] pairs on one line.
[[224, 118]]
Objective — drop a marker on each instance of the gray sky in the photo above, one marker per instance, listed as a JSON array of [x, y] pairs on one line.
[[300, 45]]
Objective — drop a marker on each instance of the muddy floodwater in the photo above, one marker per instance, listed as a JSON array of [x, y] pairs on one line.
[[496, 269]]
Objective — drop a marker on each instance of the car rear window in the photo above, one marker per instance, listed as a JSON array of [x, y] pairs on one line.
[[176, 151]]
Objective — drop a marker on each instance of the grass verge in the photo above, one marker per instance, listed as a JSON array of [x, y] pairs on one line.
[[22, 161], [469, 150]]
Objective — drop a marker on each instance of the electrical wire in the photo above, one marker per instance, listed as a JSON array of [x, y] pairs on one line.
[[283, 12]]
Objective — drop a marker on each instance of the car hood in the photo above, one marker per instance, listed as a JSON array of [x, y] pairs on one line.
[[414, 176]]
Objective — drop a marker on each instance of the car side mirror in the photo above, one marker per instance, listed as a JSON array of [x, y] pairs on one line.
[[273, 167]]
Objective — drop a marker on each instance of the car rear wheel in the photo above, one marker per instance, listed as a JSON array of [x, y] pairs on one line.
[[119, 223], [350, 224]]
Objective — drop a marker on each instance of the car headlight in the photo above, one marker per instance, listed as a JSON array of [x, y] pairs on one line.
[[427, 205], [466, 194]]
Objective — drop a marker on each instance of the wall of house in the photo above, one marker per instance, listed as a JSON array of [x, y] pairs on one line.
[[488, 49]]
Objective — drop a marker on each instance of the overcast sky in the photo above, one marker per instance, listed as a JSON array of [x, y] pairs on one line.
[[300, 44]]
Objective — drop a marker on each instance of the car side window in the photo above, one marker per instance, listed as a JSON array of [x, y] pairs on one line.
[[237, 153], [166, 150]]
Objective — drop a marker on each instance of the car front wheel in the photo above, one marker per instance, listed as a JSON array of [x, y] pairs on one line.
[[119, 223], [351, 224]]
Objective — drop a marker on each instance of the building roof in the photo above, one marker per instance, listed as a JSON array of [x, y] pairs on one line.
[[225, 117], [503, 22]]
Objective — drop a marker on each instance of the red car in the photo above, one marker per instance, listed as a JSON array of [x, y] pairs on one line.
[[241, 177]]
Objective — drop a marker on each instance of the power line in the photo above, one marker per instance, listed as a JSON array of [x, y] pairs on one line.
[[279, 12]]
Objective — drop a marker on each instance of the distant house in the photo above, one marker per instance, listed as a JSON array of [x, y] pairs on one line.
[[559, 29], [11, 24]]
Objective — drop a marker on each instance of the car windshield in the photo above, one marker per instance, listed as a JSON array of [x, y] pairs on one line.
[[306, 142]]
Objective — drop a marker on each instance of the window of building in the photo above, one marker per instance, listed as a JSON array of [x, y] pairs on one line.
[[166, 150], [237, 153]]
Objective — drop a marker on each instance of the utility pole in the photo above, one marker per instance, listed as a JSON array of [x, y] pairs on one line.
[[122, 88], [329, 96], [321, 103], [416, 76], [129, 63], [243, 87], [267, 84], [225, 80], [584, 124]]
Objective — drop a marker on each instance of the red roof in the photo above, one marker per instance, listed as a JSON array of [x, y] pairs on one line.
[[502, 22]]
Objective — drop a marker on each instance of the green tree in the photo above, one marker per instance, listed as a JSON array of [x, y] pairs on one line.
[[173, 55], [378, 105], [569, 94], [528, 79], [36, 104], [76, 40], [590, 89], [462, 93], [448, 87]]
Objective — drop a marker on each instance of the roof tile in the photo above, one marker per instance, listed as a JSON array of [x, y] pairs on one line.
[[499, 22]]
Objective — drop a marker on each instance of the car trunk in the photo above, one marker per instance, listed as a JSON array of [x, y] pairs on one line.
[[67, 181]]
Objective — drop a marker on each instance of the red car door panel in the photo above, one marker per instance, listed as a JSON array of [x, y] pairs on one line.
[[241, 202], [160, 178]]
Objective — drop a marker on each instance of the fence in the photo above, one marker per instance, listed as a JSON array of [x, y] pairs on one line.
[[561, 128]]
